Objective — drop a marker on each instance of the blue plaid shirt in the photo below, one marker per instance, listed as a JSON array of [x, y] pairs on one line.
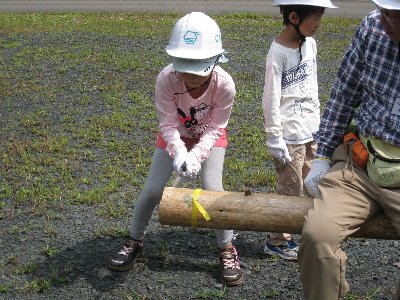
[[367, 88]]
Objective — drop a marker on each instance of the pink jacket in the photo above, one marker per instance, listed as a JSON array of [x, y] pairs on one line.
[[201, 121]]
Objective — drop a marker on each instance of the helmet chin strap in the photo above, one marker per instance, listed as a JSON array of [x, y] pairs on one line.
[[214, 65], [302, 38]]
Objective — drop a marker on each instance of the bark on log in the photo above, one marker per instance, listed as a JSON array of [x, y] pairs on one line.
[[255, 212]]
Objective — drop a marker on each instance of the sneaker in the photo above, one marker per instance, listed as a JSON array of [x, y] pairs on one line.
[[286, 251], [127, 255], [292, 245], [231, 274]]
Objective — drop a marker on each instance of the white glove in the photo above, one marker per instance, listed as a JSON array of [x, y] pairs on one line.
[[319, 167], [278, 149], [193, 166], [179, 159]]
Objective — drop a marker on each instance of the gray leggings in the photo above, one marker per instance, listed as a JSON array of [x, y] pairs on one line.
[[160, 171]]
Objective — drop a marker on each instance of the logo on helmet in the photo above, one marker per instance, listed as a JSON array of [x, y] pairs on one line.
[[190, 37]]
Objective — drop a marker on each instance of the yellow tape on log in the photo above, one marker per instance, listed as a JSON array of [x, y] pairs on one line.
[[198, 208]]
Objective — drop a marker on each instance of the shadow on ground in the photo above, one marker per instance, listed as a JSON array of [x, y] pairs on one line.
[[170, 251]]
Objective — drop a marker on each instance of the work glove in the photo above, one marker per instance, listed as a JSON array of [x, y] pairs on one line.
[[179, 160], [193, 166], [278, 149], [319, 167]]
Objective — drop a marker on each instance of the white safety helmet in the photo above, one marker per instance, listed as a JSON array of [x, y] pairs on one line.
[[320, 3], [195, 36], [388, 4], [195, 44]]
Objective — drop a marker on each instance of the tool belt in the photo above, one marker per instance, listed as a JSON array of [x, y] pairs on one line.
[[383, 162], [380, 159], [356, 149]]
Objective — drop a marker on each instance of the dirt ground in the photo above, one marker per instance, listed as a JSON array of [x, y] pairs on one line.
[[178, 263]]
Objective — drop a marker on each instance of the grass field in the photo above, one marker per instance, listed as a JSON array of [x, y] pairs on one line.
[[77, 115], [77, 120]]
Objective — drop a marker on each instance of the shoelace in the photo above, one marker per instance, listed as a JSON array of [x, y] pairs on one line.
[[230, 263], [125, 251]]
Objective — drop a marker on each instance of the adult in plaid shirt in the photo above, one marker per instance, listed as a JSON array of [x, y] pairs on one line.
[[367, 91]]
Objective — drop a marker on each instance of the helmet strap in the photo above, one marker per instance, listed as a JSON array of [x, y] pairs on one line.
[[302, 38], [215, 63]]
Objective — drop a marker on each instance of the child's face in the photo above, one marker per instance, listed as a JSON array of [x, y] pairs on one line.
[[310, 24], [192, 80]]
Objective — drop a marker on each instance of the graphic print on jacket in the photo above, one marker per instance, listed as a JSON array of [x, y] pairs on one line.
[[193, 119]]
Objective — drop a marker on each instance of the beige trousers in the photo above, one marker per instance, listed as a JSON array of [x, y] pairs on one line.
[[290, 178], [345, 201]]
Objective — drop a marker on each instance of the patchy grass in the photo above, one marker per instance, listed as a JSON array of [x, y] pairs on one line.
[[77, 101], [370, 295], [211, 293], [78, 122], [77, 114]]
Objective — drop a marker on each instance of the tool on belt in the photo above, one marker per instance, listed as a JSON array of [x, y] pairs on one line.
[[356, 149]]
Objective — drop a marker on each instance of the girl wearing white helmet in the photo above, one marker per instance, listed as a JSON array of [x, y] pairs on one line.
[[291, 105], [194, 98]]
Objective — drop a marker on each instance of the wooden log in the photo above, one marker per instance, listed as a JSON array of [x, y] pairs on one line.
[[254, 212]]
